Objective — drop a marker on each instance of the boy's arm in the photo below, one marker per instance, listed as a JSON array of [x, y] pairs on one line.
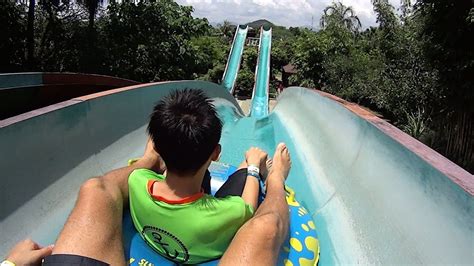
[[255, 157], [250, 193]]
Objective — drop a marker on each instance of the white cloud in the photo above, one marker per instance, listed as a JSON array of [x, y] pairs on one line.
[[281, 12]]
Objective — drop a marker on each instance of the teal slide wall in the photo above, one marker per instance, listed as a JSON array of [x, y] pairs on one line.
[[235, 57], [374, 200], [262, 75], [24, 92], [8, 81]]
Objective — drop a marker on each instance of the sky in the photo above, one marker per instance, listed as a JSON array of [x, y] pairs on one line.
[[280, 12]]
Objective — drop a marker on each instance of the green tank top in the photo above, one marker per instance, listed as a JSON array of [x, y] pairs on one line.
[[190, 233]]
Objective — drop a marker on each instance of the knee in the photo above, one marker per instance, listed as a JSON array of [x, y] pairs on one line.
[[93, 188], [271, 226], [92, 185], [98, 188]]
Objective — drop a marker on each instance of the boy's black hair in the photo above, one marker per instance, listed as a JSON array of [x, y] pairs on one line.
[[185, 129]]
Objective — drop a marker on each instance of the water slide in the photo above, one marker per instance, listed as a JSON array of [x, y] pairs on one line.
[[259, 107], [377, 195], [24, 92], [235, 57]]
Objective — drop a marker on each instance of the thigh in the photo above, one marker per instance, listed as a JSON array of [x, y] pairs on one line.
[[94, 227], [234, 185], [256, 243]]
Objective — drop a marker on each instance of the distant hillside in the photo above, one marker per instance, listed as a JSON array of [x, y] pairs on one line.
[[259, 23], [279, 32], [219, 24]]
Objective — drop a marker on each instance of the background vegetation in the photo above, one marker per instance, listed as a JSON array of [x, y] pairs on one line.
[[415, 68]]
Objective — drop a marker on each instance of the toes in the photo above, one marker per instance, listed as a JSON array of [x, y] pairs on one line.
[[281, 146], [269, 163]]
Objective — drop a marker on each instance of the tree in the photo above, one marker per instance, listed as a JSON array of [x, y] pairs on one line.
[[12, 37], [211, 55], [447, 30], [227, 30], [249, 58], [310, 53], [30, 42], [338, 15], [386, 17], [150, 40], [60, 32], [89, 56], [281, 51], [245, 82], [91, 6]]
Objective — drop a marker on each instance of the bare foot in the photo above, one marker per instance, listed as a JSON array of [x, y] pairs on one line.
[[281, 161], [266, 168], [256, 156], [151, 156]]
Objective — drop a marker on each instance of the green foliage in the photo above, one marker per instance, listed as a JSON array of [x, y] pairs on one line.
[[144, 41], [209, 51], [60, 45], [249, 59], [310, 52], [421, 59], [280, 33], [226, 30], [12, 42], [281, 54], [449, 42], [245, 82], [339, 16], [150, 41], [447, 31], [214, 74], [381, 67], [417, 124], [415, 68]]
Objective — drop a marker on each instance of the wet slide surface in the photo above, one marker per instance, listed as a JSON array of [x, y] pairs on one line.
[[235, 57], [374, 200]]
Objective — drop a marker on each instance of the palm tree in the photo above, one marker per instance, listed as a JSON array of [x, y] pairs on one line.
[[339, 15], [226, 29]]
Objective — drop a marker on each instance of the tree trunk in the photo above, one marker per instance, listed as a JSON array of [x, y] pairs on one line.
[[460, 139], [30, 38], [89, 60], [92, 10]]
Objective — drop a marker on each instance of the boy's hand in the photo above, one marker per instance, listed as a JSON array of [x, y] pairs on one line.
[[255, 156], [28, 252]]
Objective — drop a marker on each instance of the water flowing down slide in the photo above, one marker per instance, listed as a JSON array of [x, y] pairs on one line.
[[235, 57], [259, 107]]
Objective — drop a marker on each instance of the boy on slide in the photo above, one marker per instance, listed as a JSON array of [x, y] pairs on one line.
[[173, 213]]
